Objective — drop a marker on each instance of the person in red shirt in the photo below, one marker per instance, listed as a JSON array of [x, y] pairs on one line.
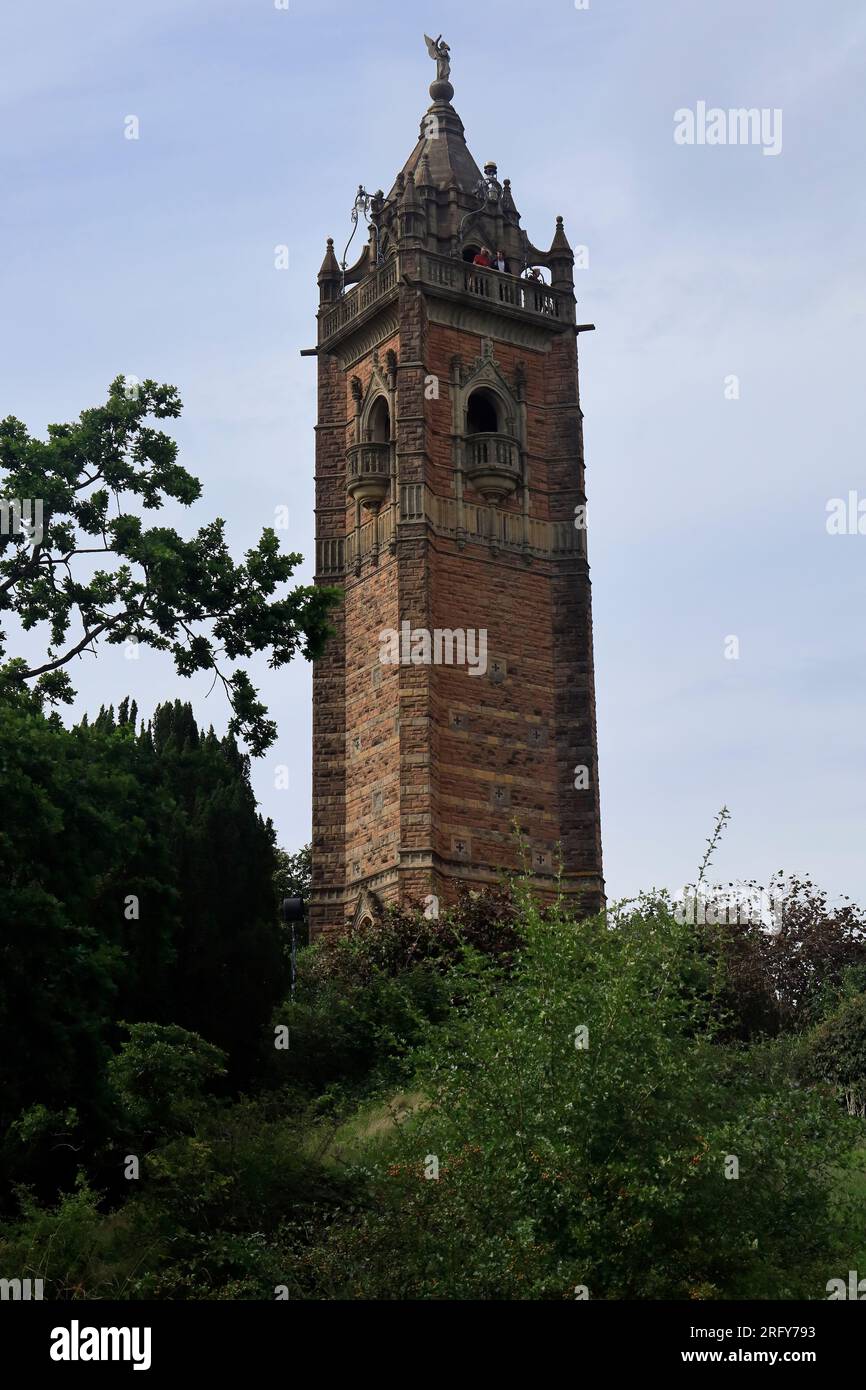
[[482, 258]]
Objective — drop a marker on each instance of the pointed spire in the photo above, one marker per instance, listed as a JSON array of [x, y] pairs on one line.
[[410, 200], [412, 218], [329, 275], [441, 140], [560, 240], [508, 206], [329, 267], [561, 259]]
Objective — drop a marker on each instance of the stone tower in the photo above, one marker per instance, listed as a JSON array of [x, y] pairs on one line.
[[457, 697]]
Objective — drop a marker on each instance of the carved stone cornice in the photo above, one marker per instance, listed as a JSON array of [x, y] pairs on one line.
[[487, 323], [374, 330]]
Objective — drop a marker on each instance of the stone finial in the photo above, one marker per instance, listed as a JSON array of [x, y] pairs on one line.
[[329, 267], [329, 275], [411, 218], [409, 198], [560, 240], [560, 258]]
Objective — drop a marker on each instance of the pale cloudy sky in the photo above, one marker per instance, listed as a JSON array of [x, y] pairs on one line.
[[707, 516]]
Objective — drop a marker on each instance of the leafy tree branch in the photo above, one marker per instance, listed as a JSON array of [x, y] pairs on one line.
[[187, 597]]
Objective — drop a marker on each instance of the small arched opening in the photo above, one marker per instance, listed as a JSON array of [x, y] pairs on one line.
[[379, 422], [470, 252], [483, 413]]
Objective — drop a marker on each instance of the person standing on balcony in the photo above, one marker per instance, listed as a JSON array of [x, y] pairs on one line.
[[500, 262], [483, 258]]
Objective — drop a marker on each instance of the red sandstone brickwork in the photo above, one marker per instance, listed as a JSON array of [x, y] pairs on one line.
[[421, 771], [329, 708]]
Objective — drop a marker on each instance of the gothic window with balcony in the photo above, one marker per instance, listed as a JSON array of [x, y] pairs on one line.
[[492, 455], [368, 462], [379, 422], [483, 413]]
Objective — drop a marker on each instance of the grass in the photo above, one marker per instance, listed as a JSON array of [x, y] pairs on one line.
[[372, 1126]]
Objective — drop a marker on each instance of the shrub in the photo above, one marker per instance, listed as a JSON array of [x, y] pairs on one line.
[[361, 1001], [837, 1052], [784, 981], [603, 1166]]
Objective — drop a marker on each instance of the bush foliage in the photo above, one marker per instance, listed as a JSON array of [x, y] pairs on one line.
[[581, 1121]]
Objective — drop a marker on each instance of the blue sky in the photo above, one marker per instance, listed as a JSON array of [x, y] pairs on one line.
[[155, 257]]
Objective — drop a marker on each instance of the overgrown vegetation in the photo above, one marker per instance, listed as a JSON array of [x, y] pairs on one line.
[[500, 1103], [504, 1102]]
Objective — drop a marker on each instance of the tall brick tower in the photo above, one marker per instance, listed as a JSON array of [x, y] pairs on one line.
[[457, 696]]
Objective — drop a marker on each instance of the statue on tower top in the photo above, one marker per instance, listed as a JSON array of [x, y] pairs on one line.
[[439, 52]]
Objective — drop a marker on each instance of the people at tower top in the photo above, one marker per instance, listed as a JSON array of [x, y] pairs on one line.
[[491, 260]]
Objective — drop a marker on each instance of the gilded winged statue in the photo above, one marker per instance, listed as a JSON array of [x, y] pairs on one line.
[[439, 52]]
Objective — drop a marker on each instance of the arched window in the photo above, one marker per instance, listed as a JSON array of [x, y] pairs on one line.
[[482, 413], [470, 252], [379, 422]]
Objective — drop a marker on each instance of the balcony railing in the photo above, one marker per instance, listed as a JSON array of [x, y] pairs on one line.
[[368, 460], [368, 472], [529, 298], [356, 300], [495, 288], [492, 464], [496, 450]]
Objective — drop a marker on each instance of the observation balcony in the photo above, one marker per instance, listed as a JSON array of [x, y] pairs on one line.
[[492, 463], [368, 473]]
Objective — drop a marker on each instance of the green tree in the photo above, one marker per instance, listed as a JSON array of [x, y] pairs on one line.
[[79, 831], [91, 480], [161, 1078], [231, 967], [836, 1052], [294, 873], [136, 880]]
